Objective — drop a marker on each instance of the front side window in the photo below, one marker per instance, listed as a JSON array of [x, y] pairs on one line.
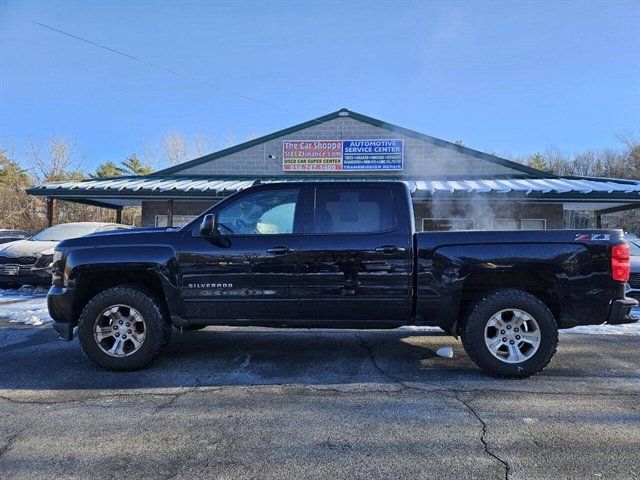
[[261, 213], [354, 210]]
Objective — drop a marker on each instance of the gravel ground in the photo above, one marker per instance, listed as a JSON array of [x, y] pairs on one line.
[[291, 404]]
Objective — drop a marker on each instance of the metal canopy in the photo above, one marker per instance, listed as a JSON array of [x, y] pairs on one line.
[[131, 190]]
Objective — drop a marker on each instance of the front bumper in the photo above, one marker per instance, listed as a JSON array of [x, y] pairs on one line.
[[27, 278], [60, 304], [621, 311]]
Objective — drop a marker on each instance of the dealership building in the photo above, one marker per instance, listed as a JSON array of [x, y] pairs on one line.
[[452, 186]]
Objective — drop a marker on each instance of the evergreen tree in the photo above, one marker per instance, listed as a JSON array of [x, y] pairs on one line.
[[108, 170], [134, 166], [537, 161]]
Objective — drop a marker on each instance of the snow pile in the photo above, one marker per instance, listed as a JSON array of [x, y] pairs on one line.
[[627, 329], [26, 305]]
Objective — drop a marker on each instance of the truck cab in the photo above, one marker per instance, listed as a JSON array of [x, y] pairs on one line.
[[331, 254]]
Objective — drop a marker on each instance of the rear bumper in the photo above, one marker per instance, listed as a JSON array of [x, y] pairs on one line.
[[621, 311], [60, 304]]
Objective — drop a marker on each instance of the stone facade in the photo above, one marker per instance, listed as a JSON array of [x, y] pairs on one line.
[[421, 158]]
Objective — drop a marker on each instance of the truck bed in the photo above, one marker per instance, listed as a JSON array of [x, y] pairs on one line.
[[568, 268]]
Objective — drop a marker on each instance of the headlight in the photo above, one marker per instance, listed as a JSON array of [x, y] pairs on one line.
[[57, 269], [57, 255], [47, 252]]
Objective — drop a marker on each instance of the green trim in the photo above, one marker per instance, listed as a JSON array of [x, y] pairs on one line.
[[362, 118], [95, 203]]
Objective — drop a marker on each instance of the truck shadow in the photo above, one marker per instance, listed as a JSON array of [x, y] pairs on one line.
[[223, 357], [33, 359]]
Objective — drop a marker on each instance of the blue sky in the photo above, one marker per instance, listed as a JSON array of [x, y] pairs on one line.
[[507, 77]]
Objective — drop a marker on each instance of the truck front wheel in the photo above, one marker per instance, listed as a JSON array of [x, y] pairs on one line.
[[510, 333], [123, 328]]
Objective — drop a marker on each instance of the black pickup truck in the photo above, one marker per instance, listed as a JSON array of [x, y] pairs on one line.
[[336, 255]]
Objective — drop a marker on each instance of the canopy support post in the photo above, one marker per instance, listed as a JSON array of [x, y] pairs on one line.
[[119, 215], [170, 213], [50, 207]]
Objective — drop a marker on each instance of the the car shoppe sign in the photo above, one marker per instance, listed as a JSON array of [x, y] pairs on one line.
[[342, 155]]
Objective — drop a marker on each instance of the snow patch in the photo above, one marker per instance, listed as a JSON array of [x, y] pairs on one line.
[[27, 305], [627, 329], [445, 352]]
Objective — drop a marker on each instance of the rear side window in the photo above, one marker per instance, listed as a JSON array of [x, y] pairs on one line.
[[354, 210]]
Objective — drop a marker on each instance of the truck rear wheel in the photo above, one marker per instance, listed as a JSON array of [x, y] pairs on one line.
[[123, 328], [510, 333]]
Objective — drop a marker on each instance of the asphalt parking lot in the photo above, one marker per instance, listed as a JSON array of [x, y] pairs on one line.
[[259, 403]]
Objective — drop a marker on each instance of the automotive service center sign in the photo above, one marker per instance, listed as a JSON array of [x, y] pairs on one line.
[[342, 155]]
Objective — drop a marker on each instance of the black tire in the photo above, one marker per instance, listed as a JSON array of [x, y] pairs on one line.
[[473, 333], [156, 323]]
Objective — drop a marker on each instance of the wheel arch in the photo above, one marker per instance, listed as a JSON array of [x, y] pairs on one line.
[[540, 284], [93, 281]]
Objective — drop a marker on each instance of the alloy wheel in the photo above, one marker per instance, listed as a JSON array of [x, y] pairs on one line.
[[119, 330], [512, 335]]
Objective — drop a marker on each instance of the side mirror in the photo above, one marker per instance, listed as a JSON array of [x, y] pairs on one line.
[[209, 225]]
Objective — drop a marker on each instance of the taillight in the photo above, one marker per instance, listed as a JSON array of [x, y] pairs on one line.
[[620, 264]]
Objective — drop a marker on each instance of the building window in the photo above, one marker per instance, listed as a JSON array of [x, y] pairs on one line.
[[446, 224], [178, 220], [533, 224], [505, 224]]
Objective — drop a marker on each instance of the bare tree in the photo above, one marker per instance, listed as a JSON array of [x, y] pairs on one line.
[[202, 145], [54, 161], [174, 146], [178, 148]]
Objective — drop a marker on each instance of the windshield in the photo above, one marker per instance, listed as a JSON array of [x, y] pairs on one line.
[[58, 233]]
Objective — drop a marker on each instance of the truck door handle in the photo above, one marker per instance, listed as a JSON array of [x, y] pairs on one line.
[[389, 249], [280, 250]]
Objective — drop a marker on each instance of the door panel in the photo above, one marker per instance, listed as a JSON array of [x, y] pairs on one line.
[[249, 270], [242, 279], [356, 275]]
